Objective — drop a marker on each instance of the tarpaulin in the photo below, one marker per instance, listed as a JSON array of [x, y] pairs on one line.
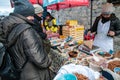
[[50, 2], [60, 4]]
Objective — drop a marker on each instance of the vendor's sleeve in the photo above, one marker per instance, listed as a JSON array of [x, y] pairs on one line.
[[54, 22], [94, 27], [45, 24], [117, 26]]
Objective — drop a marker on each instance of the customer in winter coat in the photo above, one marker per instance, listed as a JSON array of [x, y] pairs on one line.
[[24, 43], [38, 26], [38, 19], [106, 26]]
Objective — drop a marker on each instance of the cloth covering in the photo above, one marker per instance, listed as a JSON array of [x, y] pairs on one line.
[[109, 72], [72, 68]]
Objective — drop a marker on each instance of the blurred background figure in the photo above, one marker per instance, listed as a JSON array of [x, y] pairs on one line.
[[39, 26], [38, 20], [50, 23]]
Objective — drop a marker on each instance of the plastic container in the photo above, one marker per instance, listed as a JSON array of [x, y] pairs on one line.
[[117, 70], [94, 67], [115, 62], [104, 54], [67, 77]]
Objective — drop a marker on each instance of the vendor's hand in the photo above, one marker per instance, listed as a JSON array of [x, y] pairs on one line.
[[111, 33], [89, 32], [94, 33], [48, 32]]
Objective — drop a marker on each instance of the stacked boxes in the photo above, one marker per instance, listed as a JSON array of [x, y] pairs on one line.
[[67, 31], [71, 22], [77, 32]]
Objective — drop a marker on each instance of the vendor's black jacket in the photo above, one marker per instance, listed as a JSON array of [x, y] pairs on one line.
[[25, 45], [38, 28], [114, 25]]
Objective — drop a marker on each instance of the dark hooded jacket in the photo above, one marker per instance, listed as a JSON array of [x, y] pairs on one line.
[[38, 26], [25, 45], [114, 25]]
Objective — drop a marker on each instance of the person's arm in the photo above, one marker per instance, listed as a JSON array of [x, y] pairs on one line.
[[45, 24], [117, 28], [94, 27], [54, 22], [33, 48]]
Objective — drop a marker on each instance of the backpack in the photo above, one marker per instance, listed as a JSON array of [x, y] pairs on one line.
[[8, 70]]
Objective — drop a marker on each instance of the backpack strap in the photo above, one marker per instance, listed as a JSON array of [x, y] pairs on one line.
[[2, 53], [14, 34]]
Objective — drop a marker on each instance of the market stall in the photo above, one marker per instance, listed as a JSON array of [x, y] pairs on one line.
[[105, 63], [70, 47]]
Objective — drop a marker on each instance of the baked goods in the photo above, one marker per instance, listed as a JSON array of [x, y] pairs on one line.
[[97, 65], [106, 55], [81, 77], [113, 64], [72, 54], [118, 73], [117, 54], [84, 62]]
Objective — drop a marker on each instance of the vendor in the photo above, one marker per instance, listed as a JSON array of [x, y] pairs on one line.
[[105, 27], [50, 23]]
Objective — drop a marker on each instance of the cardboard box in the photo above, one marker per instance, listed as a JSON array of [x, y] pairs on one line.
[[77, 32], [71, 22]]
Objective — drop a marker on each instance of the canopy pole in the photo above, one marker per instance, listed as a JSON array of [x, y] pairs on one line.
[[91, 13], [45, 12], [38, 1]]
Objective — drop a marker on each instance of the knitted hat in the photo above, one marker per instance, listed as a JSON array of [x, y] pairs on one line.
[[38, 8], [23, 7], [108, 8], [48, 14]]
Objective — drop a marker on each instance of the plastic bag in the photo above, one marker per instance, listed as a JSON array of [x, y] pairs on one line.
[[73, 68]]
